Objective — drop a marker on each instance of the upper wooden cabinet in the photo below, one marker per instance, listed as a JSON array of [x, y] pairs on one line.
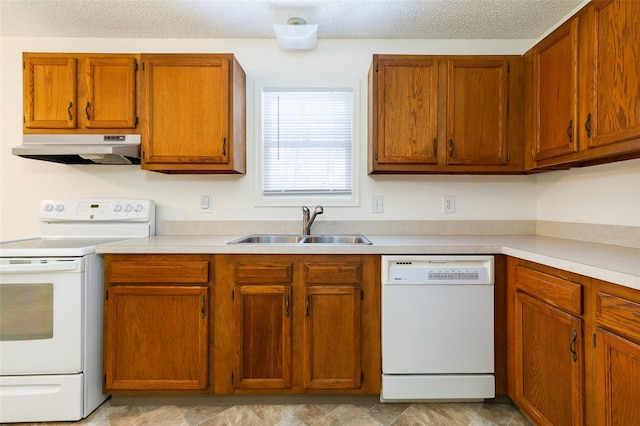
[[555, 93], [79, 93], [445, 114], [583, 86], [194, 114]]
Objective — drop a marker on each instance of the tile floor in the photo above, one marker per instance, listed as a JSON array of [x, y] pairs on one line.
[[415, 414]]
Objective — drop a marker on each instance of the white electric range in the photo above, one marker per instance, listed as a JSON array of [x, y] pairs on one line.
[[51, 307]]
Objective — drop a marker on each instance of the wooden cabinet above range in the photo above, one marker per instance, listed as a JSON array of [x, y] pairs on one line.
[[79, 93]]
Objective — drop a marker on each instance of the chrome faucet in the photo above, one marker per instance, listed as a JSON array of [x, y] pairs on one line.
[[308, 221]]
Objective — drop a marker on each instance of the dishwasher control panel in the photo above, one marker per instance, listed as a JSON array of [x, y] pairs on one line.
[[429, 269]]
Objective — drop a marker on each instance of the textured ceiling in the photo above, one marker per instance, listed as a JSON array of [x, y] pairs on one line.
[[353, 19]]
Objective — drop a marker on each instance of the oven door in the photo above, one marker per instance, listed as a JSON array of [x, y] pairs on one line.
[[41, 315]]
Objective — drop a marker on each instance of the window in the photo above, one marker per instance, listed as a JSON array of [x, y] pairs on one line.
[[307, 140]]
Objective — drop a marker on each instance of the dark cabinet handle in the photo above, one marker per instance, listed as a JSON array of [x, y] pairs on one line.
[[286, 305], [307, 301], [86, 110], [570, 131], [69, 111], [435, 146], [202, 307], [224, 147], [574, 336], [451, 147], [587, 125]]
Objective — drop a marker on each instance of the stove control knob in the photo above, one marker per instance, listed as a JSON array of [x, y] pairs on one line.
[[59, 207], [48, 207], [117, 208], [139, 208], [128, 208]]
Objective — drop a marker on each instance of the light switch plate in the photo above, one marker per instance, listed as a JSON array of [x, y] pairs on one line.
[[206, 204]]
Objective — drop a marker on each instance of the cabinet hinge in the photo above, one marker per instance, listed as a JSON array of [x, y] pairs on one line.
[[594, 340], [24, 65], [24, 119], [232, 378]]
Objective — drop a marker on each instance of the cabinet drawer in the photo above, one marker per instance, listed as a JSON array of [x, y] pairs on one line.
[[619, 315], [333, 272], [263, 272], [554, 290], [183, 271]]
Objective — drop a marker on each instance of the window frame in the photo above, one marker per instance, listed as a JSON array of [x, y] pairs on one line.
[[307, 83]]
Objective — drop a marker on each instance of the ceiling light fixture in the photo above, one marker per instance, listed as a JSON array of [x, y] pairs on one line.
[[296, 35]]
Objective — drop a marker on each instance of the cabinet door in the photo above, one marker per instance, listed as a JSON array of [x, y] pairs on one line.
[[406, 111], [263, 337], [555, 87], [477, 104], [618, 379], [332, 337], [615, 52], [111, 93], [187, 108], [49, 92], [549, 362], [156, 337]]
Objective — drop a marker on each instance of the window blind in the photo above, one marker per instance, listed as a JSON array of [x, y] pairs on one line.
[[307, 139]]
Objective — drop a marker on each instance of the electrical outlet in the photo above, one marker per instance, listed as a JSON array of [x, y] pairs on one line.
[[206, 204], [448, 204], [376, 204]]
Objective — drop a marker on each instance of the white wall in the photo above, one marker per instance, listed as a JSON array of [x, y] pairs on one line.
[[606, 194], [23, 182]]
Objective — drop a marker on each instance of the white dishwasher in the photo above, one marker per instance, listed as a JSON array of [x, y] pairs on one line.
[[437, 328]]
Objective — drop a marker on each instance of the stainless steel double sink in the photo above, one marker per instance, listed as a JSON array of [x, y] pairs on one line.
[[278, 239]]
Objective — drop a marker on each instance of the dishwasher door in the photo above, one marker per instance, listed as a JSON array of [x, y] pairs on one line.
[[437, 327]]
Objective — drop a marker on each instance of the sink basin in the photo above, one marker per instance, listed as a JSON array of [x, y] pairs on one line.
[[336, 239], [301, 239], [268, 239]]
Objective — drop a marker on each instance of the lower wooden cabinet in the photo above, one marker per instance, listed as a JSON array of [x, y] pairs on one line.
[[548, 355], [617, 336], [156, 338], [297, 324], [573, 355], [156, 328], [242, 324], [262, 321]]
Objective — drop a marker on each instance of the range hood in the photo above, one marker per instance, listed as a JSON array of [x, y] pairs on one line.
[[80, 149]]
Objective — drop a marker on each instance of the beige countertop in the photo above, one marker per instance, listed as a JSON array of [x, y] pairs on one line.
[[616, 264]]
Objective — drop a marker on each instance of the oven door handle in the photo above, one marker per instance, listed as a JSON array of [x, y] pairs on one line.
[[39, 267]]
